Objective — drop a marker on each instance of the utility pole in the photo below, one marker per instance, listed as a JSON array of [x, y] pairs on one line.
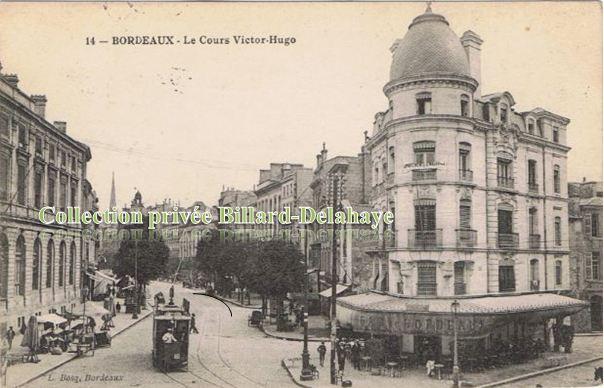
[[454, 308], [306, 373], [334, 280]]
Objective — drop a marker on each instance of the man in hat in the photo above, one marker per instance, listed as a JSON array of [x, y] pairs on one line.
[[168, 337], [10, 335], [193, 327]]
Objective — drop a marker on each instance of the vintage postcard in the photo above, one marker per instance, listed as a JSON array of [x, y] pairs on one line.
[[281, 194]]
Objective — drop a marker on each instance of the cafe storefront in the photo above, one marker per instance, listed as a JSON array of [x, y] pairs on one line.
[[424, 326]]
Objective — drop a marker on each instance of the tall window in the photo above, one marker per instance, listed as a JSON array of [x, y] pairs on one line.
[[72, 261], [21, 181], [20, 266], [63, 159], [464, 103], [50, 260], [534, 275], [4, 174], [4, 126], [73, 199], [486, 114], [424, 103], [391, 160], [424, 152], [38, 189], [52, 152], [504, 173], [533, 219], [531, 126], [22, 136], [540, 127], [464, 161], [594, 266], [558, 231], [532, 175], [503, 112], [558, 272], [465, 214], [505, 221], [35, 269], [51, 190], [595, 225], [556, 134], [426, 278], [556, 179], [63, 194], [507, 280], [459, 277], [39, 145], [425, 217], [62, 255], [3, 266]]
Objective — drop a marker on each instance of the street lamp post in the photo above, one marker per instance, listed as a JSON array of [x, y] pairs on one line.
[[85, 296], [306, 373], [135, 312], [454, 308]]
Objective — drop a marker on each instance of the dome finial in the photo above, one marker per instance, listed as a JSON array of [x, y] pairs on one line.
[[428, 7]]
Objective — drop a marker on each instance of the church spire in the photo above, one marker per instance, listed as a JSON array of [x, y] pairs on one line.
[[112, 203]]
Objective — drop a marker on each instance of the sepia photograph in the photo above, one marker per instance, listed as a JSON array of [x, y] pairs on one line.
[[301, 194]]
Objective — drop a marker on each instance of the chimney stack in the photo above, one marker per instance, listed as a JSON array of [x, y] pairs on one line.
[[11, 79], [39, 104], [61, 126], [471, 42], [323, 154]]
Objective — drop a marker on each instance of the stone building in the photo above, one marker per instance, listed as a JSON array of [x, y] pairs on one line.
[[480, 200], [282, 185], [354, 263], [41, 266], [585, 233]]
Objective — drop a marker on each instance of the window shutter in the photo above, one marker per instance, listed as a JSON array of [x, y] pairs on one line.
[[465, 214]]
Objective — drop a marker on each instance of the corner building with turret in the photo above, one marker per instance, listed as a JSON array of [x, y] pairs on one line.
[[479, 193]]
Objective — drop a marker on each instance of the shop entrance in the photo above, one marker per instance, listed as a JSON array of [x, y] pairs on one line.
[[427, 348]]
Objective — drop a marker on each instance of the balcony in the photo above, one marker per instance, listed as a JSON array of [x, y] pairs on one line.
[[420, 239], [466, 238], [507, 240], [424, 175], [466, 176], [505, 182], [460, 288], [533, 187], [534, 241]]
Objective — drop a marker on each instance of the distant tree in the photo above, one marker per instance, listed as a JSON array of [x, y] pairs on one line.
[[146, 258]]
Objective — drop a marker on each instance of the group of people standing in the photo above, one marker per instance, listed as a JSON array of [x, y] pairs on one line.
[[346, 349]]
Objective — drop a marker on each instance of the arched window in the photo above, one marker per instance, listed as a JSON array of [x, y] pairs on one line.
[[558, 272], [3, 266], [62, 255], [20, 266], [35, 269], [50, 260], [72, 261], [534, 275]]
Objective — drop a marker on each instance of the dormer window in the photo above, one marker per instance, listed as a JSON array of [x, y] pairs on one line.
[[540, 128], [465, 105], [486, 115], [424, 103], [531, 127], [503, 113]]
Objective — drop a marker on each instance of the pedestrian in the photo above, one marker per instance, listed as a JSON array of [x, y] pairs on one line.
[[10, 335], [341, 361], [356, 355], [193, 327], [322, 350], [23, 328], [118, 307]]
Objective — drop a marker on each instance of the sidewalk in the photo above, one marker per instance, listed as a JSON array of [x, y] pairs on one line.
[[317, 330], [585, 348], [22, 373]]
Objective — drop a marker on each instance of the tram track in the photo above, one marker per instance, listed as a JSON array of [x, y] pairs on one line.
[[204, 366]]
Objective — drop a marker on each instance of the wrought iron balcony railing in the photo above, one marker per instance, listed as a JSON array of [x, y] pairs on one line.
[[507, 240], [466, 175], [466, 238], [505, 182], [425, 238], [424, 175], [534, 241]]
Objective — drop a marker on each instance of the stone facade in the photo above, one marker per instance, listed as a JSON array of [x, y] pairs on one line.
[[585, 225], [41, 266]]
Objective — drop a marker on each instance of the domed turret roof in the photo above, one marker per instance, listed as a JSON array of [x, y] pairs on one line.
[[429, 47]]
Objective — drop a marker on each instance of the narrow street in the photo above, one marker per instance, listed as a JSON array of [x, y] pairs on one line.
[[226, 353]]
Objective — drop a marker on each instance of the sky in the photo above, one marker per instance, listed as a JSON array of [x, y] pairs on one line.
[[181, 121]]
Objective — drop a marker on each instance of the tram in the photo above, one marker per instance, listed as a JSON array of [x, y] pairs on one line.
[[171, 326]]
